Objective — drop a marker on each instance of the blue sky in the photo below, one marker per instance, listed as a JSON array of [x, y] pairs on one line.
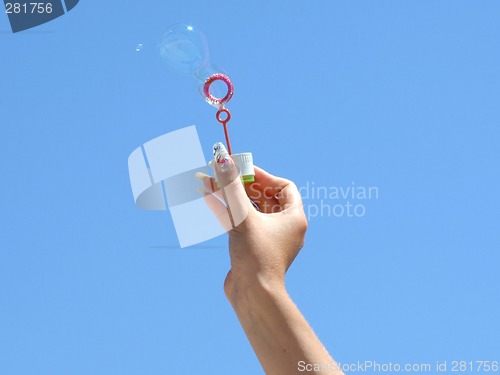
[[399, 95]]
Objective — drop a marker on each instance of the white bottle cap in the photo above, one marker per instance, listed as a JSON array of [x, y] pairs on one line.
[[244, 163]]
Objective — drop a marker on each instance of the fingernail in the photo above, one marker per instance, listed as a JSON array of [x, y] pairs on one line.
[[222, 158], [201, 176]]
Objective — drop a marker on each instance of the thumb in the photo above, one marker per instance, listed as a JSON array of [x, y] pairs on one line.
[[231, 187]]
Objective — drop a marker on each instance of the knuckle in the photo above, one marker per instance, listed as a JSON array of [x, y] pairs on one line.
[[302, 225]]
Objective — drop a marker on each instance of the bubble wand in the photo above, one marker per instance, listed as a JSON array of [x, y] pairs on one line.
[[185, 48], [220, 102]]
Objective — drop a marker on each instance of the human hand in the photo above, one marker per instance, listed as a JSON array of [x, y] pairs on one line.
[[262, 244]]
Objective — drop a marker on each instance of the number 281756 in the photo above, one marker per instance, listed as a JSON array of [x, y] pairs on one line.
[[28, 8]]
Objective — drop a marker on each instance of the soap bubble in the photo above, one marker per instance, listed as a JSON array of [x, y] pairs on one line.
[[184, 48]]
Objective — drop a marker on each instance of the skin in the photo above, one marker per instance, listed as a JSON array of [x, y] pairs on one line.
[[262, 247]]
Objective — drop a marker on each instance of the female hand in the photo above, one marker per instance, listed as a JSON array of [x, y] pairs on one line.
[[262, 243]]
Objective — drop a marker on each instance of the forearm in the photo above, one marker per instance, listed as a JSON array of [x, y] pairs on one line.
[[277, 331]]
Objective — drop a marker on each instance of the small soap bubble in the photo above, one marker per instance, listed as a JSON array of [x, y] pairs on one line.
[[139, 47]]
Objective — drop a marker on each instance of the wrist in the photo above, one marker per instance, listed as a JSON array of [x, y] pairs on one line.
[[252, 291]]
